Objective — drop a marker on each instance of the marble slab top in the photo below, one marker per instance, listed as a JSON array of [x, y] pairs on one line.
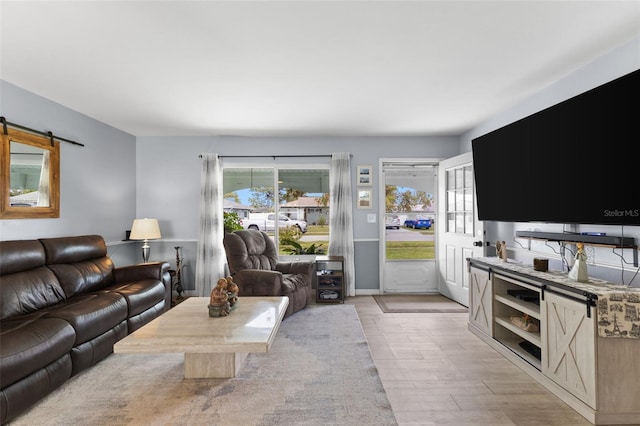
[[188, 328]]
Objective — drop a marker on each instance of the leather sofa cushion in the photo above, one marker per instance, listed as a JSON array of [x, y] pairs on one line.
[[85, 276], [91, 315], [140, 295], [80, 263], [74, 249], [26, 292], [30, 343], [20, 255]]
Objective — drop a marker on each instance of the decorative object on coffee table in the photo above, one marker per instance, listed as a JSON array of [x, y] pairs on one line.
[[219, 301], [224, 298]]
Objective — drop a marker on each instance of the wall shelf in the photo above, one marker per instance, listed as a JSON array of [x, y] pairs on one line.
[[592, 240]]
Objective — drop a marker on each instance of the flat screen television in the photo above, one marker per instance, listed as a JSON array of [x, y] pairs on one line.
[[574, 162]]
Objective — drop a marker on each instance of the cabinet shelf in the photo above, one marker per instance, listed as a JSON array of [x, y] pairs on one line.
[[528, 308], [514, 346], [507, 305], [527, 335]]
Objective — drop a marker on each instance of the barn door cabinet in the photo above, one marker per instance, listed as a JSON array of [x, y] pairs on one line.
[[480, 300], [558, 342]]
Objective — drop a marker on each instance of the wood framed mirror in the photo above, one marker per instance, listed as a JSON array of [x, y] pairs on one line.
[[30, 173]]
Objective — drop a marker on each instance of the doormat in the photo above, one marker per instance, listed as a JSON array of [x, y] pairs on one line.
[[418, 303]]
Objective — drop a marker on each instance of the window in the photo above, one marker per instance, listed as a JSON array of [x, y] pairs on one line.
[[460, 200], [30, 176], [302, 204]]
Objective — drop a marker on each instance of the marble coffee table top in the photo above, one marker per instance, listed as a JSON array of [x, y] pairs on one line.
[[188, 328]]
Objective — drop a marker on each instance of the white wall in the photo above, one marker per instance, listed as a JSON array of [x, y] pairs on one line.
[[604, 263], [97, 181]]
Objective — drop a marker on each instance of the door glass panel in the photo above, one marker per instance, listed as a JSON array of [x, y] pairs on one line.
[[409, 211]]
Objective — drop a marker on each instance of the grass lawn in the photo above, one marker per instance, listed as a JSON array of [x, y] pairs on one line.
[[399, 250]]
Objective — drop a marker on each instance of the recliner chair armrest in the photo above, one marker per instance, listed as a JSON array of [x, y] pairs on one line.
[[258, 282], [304, 268]]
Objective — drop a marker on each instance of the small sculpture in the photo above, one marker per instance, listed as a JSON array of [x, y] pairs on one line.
[[501, 250], [219, 300], [579, 270]]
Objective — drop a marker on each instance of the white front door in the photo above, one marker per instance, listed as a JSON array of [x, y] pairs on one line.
[[459, 233], [407, 212]]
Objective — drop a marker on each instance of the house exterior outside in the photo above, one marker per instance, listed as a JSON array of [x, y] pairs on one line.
[[233, 206], [308, 209]]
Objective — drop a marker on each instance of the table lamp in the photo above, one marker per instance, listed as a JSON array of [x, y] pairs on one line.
[[145, 229]]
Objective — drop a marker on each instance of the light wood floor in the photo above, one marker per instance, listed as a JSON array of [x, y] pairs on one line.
[[436, 372]]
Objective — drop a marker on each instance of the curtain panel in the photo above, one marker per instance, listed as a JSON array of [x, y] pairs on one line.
[[210, 255], [341, 216]]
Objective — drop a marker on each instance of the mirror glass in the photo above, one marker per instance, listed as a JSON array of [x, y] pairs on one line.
[[30, 176], [29, 183]]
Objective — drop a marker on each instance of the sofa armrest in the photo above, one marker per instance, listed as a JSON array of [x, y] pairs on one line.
[[142, 271], [304, 268], [147, 271], [258, 282]]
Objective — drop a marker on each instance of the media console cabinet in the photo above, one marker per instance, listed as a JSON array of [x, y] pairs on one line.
[[579, 340]]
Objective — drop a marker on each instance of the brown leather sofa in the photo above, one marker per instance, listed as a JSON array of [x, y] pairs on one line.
[[254, 265], [63, 305]]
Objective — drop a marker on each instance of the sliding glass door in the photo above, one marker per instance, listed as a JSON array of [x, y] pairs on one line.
[[291, 193]]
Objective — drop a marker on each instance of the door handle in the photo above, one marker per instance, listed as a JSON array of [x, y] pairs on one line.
[[477, 243]]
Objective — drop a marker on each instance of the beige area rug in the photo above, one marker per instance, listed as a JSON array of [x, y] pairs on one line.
[[419, 303], [319, 372]]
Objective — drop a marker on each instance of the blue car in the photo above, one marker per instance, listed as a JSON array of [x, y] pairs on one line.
[[418, 223]]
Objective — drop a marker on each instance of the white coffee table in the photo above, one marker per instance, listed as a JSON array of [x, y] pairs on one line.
[[213, 347]]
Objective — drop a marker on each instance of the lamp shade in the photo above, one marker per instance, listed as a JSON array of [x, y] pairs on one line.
[[145, 229]]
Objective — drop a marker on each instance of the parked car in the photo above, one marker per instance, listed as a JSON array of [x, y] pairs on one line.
[[418, 223], [392, 222], [264, 222]]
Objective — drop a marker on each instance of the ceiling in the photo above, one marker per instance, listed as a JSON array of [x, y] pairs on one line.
[[302, 68]]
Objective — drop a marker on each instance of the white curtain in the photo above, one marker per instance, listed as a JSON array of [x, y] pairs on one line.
[[341, 217], [210, 256]]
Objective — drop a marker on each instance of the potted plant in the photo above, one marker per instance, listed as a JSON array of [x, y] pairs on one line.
[[231, 222], [295, 248]]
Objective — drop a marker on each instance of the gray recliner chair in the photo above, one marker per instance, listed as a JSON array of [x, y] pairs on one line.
[[254, 266]]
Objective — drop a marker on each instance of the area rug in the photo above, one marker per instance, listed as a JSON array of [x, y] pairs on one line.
[[319, 371], [419, 303]]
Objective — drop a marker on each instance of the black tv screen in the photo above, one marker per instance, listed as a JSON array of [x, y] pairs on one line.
[[574, 162]]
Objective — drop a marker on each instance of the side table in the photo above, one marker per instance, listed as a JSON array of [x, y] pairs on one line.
[[330, 279]]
